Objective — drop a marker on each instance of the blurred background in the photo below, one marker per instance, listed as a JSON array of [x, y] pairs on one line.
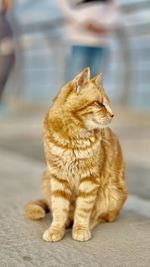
[[40, 60]]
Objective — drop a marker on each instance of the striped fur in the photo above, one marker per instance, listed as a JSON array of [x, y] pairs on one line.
[[84, 179]]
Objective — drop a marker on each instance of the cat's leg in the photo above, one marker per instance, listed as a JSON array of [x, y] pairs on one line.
[[108, 216], [70, 218], [95, 218], [60, 203], [108, 205], [84, 206], [116, 201]]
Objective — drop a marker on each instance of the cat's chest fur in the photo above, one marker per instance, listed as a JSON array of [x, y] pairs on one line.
[[77, 161]]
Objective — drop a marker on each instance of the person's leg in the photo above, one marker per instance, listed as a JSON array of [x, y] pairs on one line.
[[6, 63], [6, 52], [81, 57], [76, 61], [97, 58]]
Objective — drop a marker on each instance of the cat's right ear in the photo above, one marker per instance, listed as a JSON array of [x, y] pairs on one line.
[[81, 79], [98, 79]]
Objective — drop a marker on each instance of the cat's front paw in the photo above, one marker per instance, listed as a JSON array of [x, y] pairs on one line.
[[53, 234], [81, 233]]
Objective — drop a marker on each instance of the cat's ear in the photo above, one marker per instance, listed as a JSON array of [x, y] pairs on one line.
[[98, 79], [81, 79]]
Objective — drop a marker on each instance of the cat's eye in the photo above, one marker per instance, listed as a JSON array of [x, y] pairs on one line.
[[99, 104]]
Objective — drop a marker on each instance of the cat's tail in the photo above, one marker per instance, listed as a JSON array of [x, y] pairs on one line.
[[37, 209]]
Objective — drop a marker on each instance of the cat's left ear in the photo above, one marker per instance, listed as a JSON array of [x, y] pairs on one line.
[[98, 79], [81, 79]]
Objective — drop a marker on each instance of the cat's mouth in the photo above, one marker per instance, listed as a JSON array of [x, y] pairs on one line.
[[103, 123], [95, 124]]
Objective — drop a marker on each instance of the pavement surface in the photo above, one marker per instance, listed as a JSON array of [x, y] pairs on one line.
[[124, 243]]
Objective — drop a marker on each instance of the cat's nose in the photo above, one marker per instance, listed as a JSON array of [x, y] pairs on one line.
[[112, 115]]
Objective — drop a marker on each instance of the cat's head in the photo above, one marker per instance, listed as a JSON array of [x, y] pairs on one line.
[[86, 101]]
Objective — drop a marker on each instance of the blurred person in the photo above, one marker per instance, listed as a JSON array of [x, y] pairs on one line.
[[6, 45], [88, 23]]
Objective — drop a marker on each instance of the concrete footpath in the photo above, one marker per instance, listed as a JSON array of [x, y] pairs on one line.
[[124, 243]]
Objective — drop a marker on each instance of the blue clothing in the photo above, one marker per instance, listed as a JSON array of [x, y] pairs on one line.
[[81, 57]]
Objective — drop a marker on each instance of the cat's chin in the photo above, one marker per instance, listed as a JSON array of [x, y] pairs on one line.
[[103, 126], [100, 127], [93, 125]]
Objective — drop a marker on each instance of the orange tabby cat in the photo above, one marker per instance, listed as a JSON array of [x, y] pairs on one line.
[[84, 179]]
